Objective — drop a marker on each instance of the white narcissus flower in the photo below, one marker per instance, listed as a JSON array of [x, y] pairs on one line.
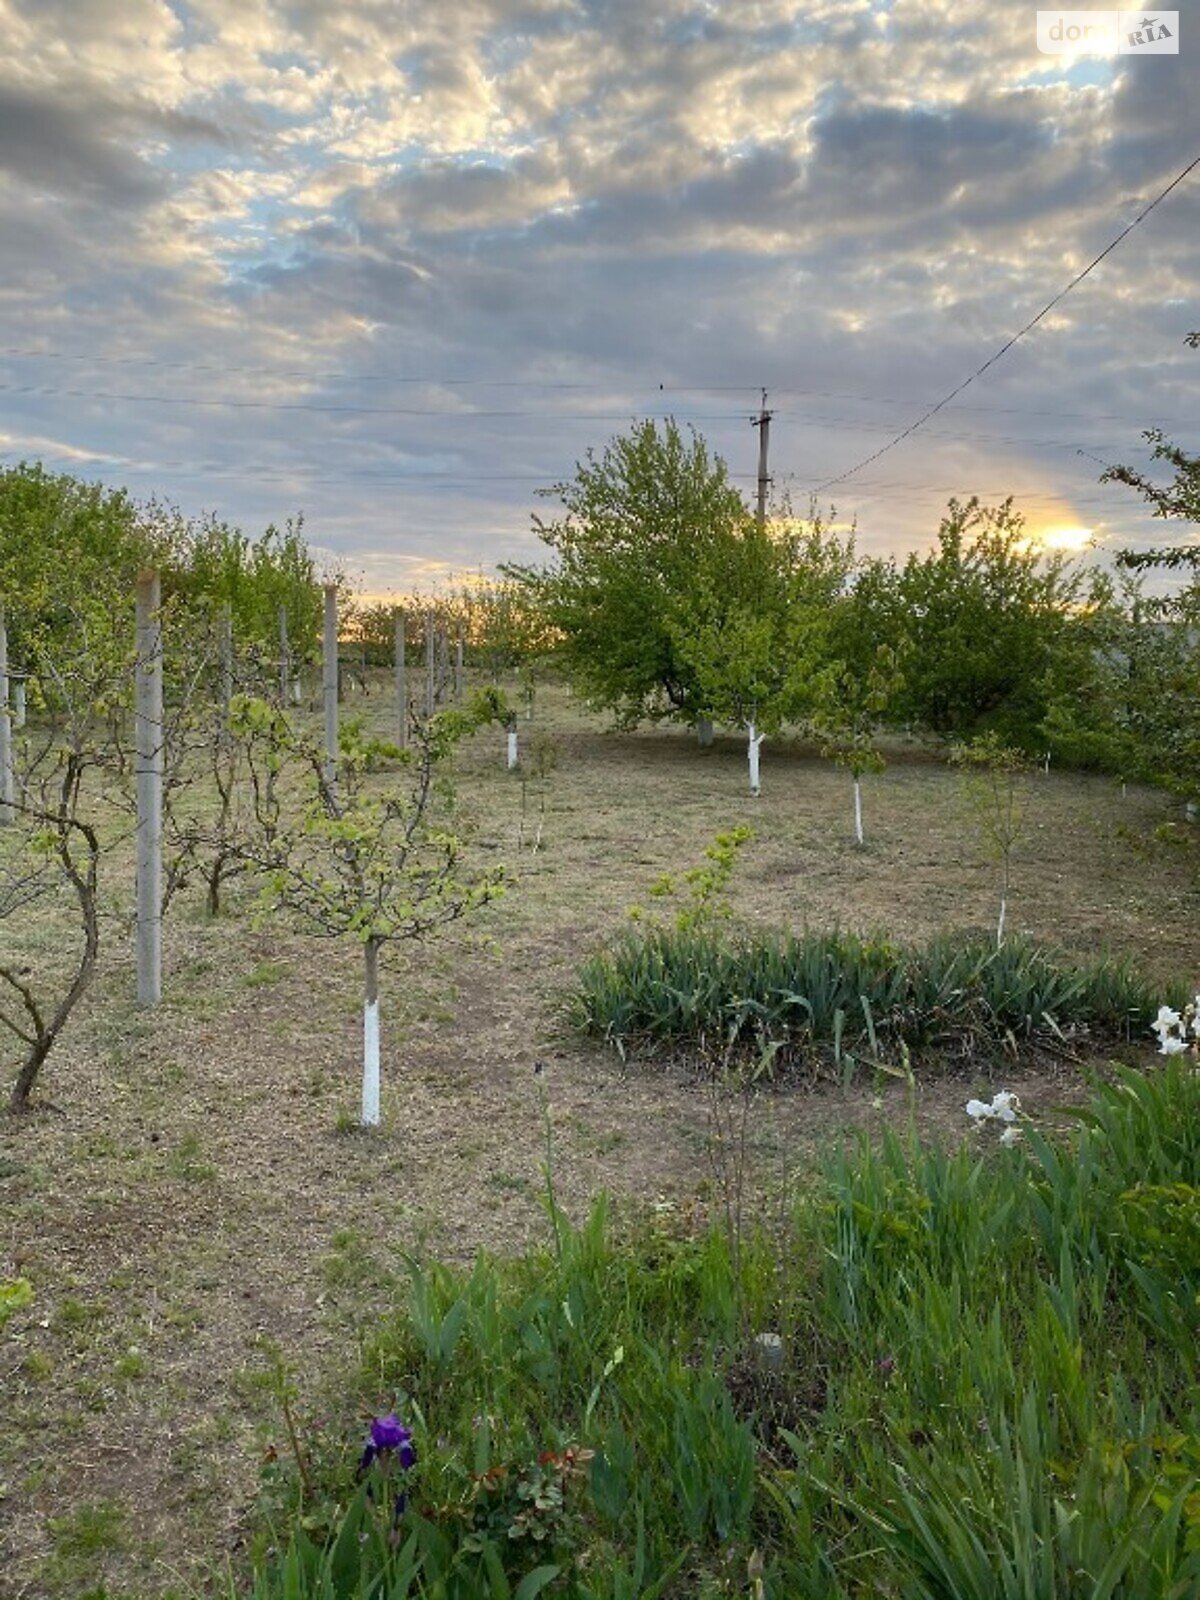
[[1010, 1136], [979, 1109], [1172, 1045]]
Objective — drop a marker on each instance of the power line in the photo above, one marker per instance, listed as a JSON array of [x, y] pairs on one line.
[[434, 381], [440, 482], [848, 424], [1020, 334], [51, 391]]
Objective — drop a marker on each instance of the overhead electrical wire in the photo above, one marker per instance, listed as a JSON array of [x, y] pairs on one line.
[[435, 382], [459, 415], [907, 433]]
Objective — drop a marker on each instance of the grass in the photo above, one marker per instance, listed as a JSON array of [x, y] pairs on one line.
[[210, 1260], [944, 1375]]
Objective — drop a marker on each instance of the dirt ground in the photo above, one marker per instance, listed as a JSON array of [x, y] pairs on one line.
[[198, 1183]]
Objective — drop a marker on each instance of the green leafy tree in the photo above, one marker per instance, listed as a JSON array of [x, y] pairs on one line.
[[68, 546], [70, 553], [753, 636], [257, 579], [644, 523], [1165, 665], [851, 706], [981, 620], [1117, 701], [504, 630], [1176, 501]]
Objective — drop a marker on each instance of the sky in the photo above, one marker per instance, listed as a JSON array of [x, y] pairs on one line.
[[396, 266]]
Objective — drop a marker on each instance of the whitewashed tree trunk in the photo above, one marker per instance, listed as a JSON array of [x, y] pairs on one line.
[[330, 683], [512, 749], [1004, 885], [704, 733], [20, 708], [7, 781], [148, 748], [370, 1084], [858, 827], [754, 741]]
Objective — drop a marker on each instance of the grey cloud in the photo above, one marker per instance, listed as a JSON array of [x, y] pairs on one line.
[[904, 159], [76, 141], [54, 145]]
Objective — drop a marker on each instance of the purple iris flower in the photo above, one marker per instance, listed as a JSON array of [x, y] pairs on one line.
[[389, 1437]]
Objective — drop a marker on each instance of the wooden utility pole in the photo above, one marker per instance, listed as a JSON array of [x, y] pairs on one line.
[[763, 423], [399, 625], [7, 785], [148, 758], [330, 683]]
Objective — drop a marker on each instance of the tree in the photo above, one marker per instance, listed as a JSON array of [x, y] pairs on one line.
[[851, 707], [55, 848], [260, 581], [993, 781], [1168, 657], [981, 620], [355, 859], [66, 544], [641, 520], [1178, 500], [753, 634]]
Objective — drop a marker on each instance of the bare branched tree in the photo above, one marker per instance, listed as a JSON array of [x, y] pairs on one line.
[[56, 844]]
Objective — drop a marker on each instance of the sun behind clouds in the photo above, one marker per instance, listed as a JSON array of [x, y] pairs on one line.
[[1071, 538]]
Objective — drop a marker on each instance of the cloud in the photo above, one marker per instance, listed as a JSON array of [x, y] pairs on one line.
[[273, 235], [63, 148]]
